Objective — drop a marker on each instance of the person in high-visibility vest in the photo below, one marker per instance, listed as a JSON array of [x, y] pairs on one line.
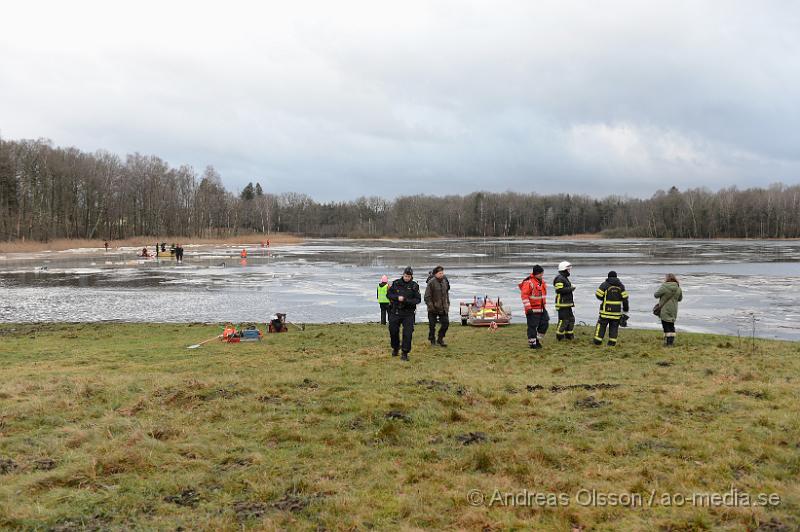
[[383, 300]]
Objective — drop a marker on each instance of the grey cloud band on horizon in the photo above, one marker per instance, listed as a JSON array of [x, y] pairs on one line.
[[345, 99]]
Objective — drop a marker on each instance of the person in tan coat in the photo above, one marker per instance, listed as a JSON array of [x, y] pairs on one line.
[[437, 298]]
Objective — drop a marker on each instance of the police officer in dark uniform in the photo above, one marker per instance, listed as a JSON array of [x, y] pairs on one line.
[[404, 296]]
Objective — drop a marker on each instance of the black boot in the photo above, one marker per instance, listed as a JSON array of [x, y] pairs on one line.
[[394, 352], [441, 342], [670, 341], [404, 356], [433, 342]]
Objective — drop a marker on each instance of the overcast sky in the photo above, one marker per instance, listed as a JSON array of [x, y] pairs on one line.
[[339, 99]]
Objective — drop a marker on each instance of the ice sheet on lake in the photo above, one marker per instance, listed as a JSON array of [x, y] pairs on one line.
[[727, 284]]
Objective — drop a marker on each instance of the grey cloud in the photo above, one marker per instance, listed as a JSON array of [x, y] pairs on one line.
[[350, 98]]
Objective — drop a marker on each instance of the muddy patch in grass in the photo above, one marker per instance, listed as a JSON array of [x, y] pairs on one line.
[[773, 525], [235, 462], [172, 395], [755, 394], [24, 331], [556, 388], [163, 433], [438, 386], [7, 465], [356, 423], [665, 363], [250, 510], [471, 438], [660, 446], [187, 497], [590, 402], [599, 426], [295, 501], [44, 464], [291, 503], [95, 523], [134, 409], [270, 398], [193, 391], [308, 384], [223, 393], [398, 415]]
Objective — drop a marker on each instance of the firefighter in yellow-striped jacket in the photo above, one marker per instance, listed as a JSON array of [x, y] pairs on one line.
[[613, 304], [564, 302]]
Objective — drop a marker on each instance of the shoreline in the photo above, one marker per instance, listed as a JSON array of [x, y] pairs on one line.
[[63, 244], [67, 244], [10, 328]]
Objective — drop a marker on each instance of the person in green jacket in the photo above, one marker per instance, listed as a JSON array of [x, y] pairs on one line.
[[669, 294], [383, 300]]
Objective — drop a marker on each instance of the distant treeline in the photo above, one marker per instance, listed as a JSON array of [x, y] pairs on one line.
[[48, 192]]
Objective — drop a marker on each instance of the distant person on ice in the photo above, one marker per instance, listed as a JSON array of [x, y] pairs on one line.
[[669, 294], [404, 296], [383, 300], [179, 253], [533, 291], [437, 298], [613, 303]]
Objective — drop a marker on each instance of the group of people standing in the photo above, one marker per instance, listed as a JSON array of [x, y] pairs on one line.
[[613, 306], [398, 302], [175, 250]]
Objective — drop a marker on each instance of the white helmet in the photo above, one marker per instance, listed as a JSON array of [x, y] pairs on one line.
[[563, 266]]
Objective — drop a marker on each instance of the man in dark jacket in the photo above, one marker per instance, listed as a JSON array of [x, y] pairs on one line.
[[613, 303], [564, 302], [404, 296], [437, 298]]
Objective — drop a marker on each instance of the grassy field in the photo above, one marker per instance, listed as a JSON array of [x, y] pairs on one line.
[[120, 427]]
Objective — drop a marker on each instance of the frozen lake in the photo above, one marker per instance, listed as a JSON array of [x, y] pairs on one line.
[[727, 284]]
